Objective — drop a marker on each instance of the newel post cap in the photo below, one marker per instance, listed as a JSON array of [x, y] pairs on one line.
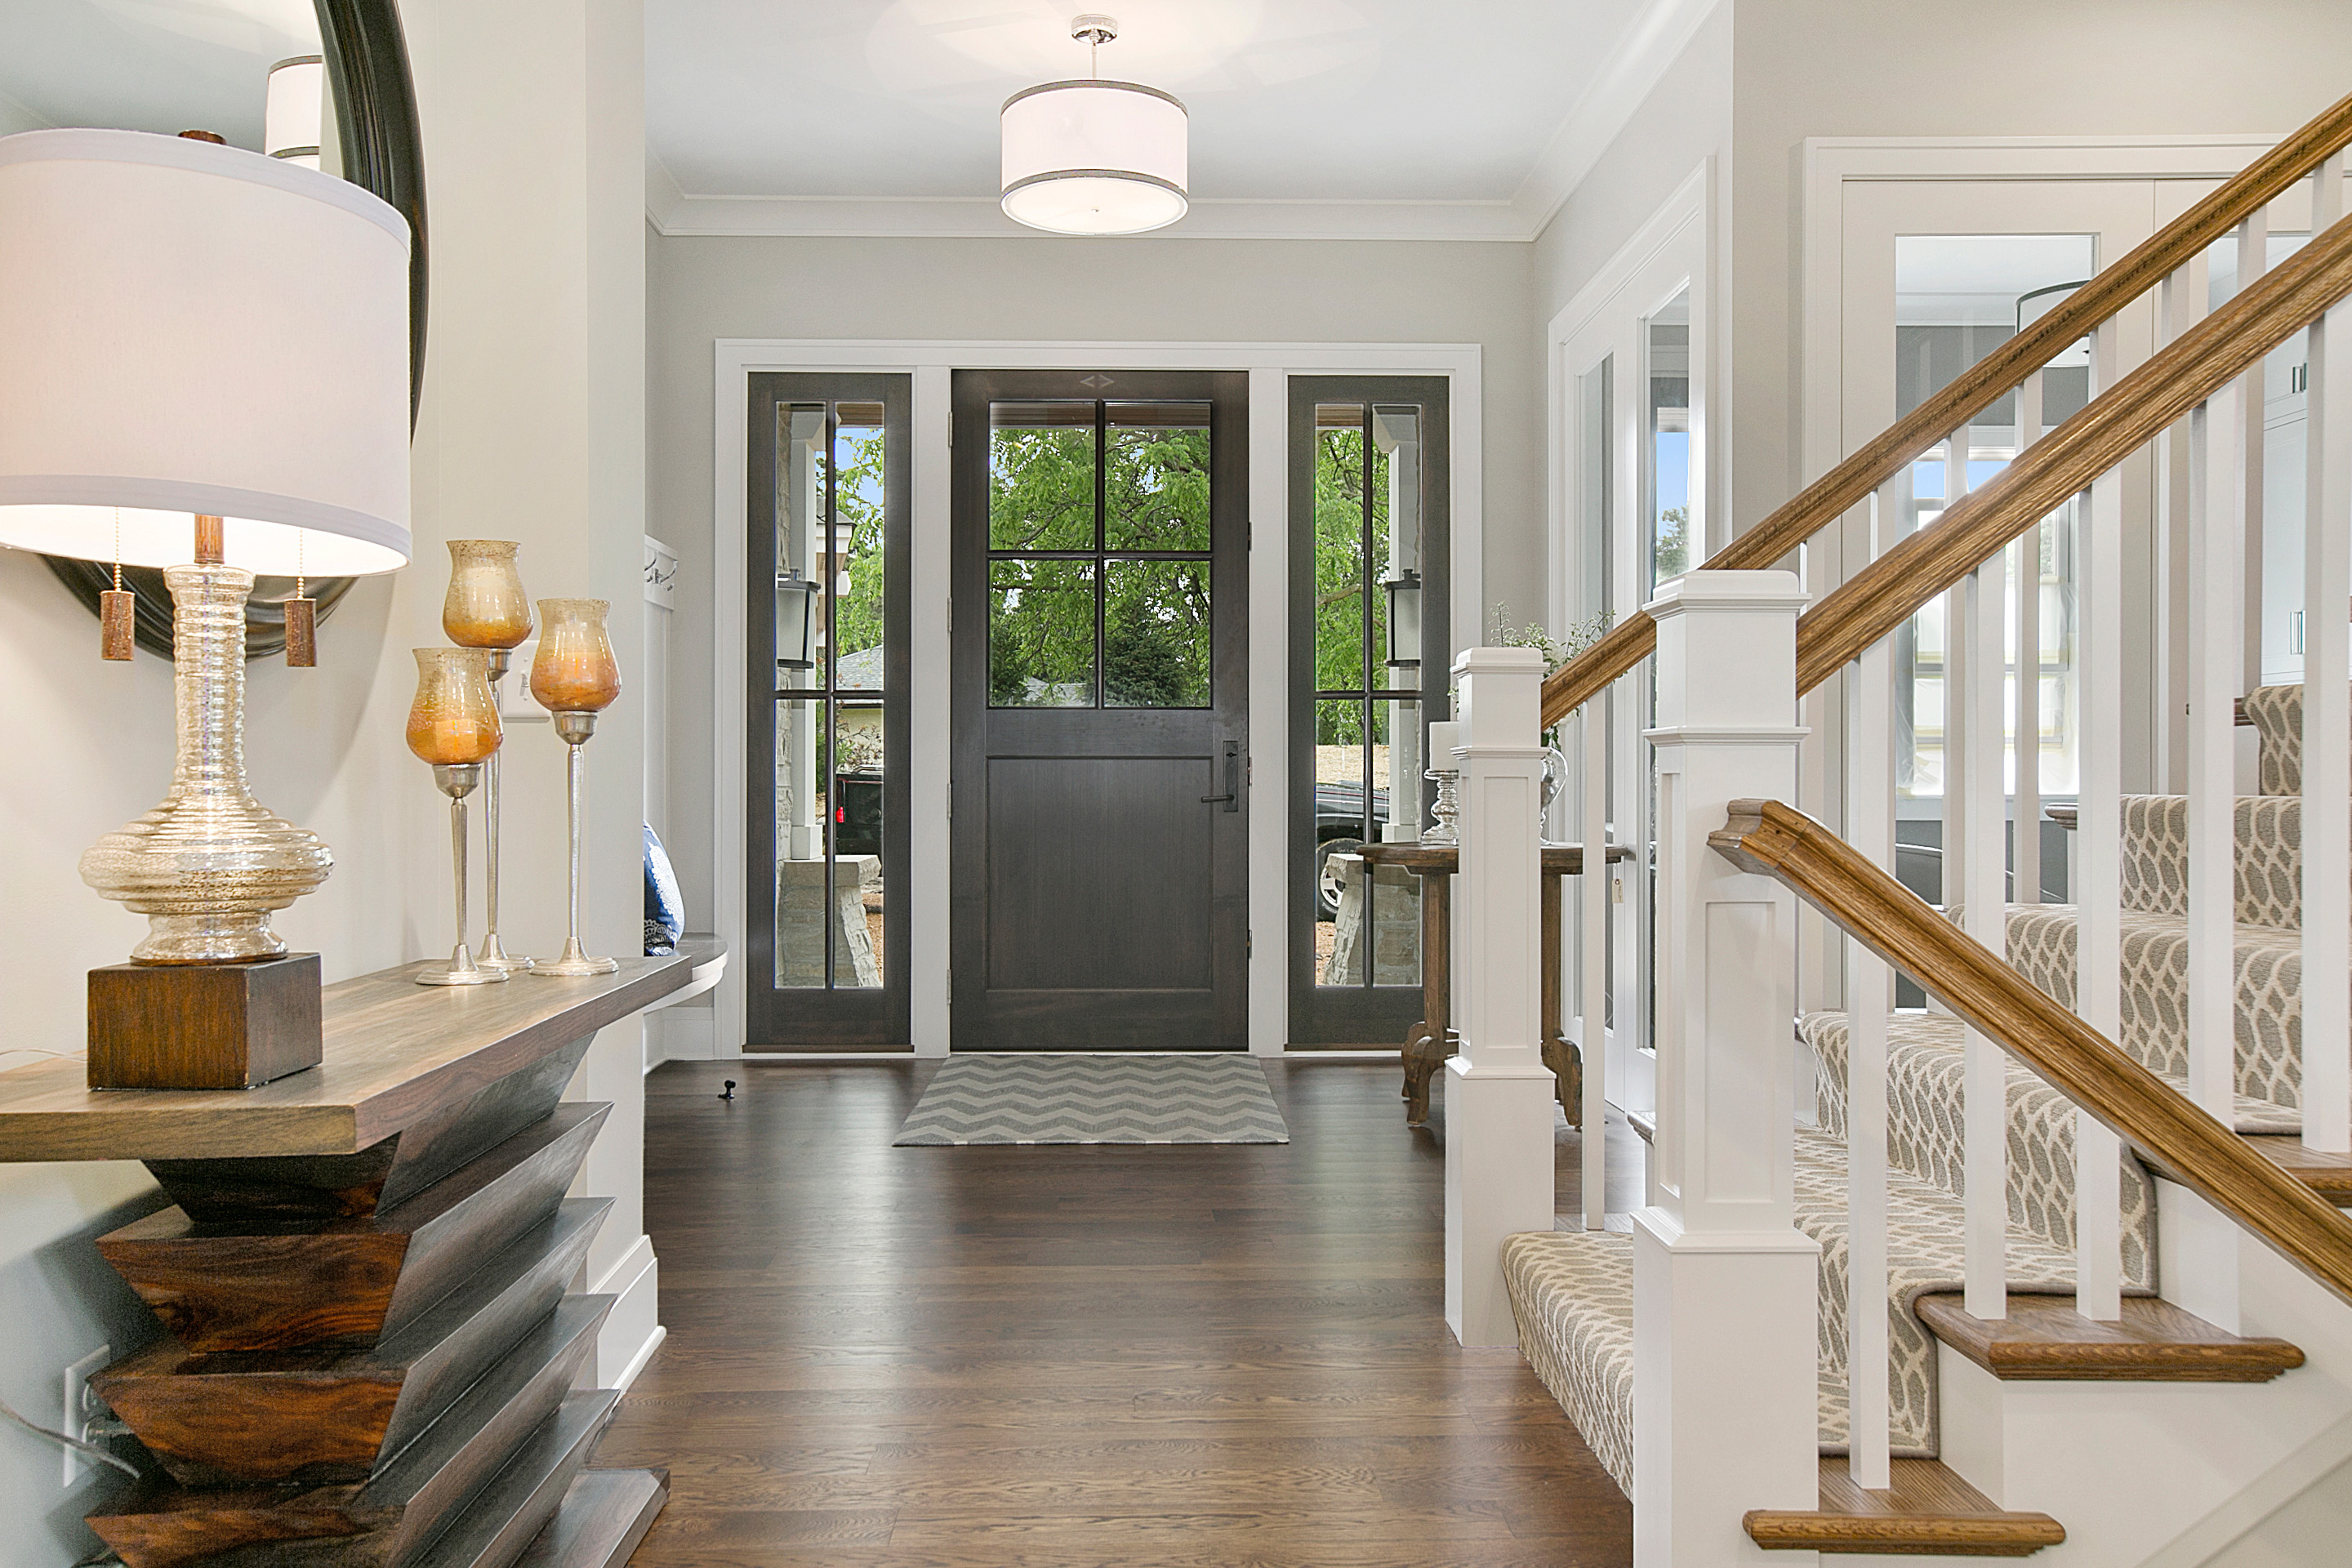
[[1706, 590]]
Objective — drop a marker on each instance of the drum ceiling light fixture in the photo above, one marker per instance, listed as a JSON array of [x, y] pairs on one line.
[[1094, 156]]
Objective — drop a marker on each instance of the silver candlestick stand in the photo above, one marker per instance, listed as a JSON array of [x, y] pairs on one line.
[[574, 730], [458, 781], [494, 955]]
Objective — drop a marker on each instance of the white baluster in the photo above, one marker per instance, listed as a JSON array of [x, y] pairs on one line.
[[2328, 712], [1498, 1093], [1870, 828], [2219, 456], [2254, 261], [1592, 899], [1983, 873], [1724, 1284], [2097, 847], [2026, 853], [2200, 1243]]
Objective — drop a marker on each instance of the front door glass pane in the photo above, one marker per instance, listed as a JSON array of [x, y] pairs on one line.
[[1099, 555]]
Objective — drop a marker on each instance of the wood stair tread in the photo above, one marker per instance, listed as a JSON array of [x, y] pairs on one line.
[[2329, 1175], [2045, 1338], [1929, 1512]]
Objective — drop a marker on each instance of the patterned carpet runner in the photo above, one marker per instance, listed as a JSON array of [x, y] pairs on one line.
[[1074, 1098]]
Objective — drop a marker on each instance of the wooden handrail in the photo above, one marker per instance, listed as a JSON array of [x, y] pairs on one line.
[[2223, 346], [1847, 485], [1776, 840]]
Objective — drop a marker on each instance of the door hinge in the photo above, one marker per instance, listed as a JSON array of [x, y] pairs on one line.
[[1249, 945], [952, 614], [950, 988]]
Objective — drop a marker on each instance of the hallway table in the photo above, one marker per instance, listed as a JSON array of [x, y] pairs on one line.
[[1430, 1041]]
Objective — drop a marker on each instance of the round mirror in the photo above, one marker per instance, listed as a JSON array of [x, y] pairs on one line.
[[323, 82]]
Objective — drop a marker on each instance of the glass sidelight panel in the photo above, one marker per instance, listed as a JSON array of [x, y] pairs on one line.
[[1376, 616], [828, 833], [1099, 555]]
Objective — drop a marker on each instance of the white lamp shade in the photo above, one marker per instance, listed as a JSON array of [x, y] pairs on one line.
[[187, 328], [294, 111], [1095, 157]]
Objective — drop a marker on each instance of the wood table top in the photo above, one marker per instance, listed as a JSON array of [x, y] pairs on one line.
[[395, 1052], [1445, 859]]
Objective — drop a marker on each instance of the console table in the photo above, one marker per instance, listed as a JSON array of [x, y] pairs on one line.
[[1429, 1042], [365, 1273]]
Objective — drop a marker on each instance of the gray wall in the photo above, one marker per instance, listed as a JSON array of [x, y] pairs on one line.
[[1045, 289]]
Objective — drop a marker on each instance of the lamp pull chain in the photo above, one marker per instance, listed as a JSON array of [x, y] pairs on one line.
[[301, 615], [116, 607]]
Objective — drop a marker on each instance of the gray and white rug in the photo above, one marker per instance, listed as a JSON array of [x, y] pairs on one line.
[[1071, 1099]]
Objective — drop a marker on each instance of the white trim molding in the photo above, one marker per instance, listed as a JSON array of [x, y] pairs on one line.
[[931, 364]]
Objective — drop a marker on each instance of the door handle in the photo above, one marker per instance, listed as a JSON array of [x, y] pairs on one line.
[[1232, 799]]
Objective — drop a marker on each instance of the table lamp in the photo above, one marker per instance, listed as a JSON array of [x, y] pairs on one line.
[[204, 366]]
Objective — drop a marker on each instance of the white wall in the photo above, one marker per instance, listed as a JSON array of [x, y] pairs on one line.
[[1989, 67], [1048, 290], [533, 431]]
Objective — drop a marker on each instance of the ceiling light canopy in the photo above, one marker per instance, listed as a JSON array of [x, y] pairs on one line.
[[1094, 156]]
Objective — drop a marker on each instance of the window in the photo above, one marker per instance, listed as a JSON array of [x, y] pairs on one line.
[[1099, 555], [828, 839], [1370, 654]]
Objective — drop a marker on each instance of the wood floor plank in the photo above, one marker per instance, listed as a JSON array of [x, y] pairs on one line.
[[1228, 1354]]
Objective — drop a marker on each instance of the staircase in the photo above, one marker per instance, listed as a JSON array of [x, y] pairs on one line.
[[2059, 1263], [1572, 1291]]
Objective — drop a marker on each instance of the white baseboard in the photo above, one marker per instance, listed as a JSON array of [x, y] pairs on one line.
[[679, 1035], [633, 1330]]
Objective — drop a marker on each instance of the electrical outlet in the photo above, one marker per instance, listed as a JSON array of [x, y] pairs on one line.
[[81, 1407]]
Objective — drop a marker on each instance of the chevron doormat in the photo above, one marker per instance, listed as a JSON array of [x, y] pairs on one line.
[[1057, 1098]]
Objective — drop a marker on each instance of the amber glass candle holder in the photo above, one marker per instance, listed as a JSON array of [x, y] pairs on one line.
[[453, 725], [486, 608], [574, 678]]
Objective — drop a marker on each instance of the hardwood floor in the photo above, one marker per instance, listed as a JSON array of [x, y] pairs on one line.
[[1209, 1356]]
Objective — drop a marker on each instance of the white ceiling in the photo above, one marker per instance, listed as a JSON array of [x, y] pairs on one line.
[[1467, 119], [165, 66]]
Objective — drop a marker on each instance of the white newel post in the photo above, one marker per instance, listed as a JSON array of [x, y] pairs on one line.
[[1498, 1093], [1724, 1294]]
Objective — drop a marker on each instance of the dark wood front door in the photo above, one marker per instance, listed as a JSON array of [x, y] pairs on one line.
[[1100, 797]]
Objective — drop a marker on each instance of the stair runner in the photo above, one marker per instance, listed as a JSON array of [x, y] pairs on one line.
[[1573, 1291]]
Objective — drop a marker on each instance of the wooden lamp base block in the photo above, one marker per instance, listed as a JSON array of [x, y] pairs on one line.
[[204, 1025]]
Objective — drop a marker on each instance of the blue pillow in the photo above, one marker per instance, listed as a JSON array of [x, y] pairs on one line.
[[664, 905]]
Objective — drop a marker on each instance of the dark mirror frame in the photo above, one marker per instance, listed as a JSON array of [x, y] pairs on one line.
[[384, 153]]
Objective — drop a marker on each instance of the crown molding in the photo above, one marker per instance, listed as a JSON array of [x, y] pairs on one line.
[[1634, 66], [1637, 62], [674, 213]]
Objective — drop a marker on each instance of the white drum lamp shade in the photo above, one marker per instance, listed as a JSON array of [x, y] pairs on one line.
[[1095, 157], [187, 328]]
